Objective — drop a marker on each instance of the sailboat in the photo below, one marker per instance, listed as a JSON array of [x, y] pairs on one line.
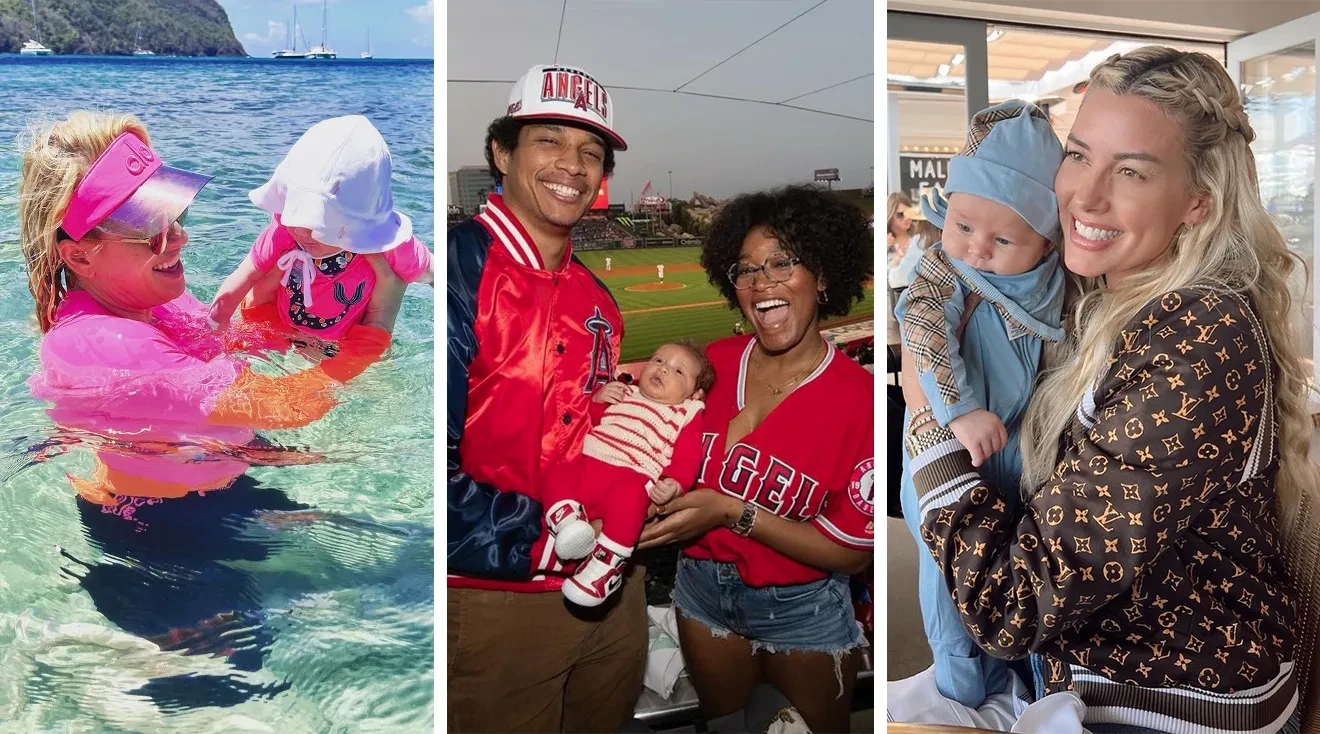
[[137, 44], [323, 51], [367, 54], [292, 51], [34, 48]]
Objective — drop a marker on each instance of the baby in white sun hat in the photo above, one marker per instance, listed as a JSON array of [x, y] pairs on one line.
[[331, 204]]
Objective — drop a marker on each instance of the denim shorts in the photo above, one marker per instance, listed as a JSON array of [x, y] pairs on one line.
[[815, 616]]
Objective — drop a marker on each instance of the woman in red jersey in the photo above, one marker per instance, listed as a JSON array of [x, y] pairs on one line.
[[783, 510]]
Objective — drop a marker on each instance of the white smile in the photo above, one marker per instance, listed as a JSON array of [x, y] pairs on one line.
[[1095, 234], [562, 190], [167, 265], [769, 304]]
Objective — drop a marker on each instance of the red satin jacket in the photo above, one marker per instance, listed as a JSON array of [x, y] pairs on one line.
[[544, 342]]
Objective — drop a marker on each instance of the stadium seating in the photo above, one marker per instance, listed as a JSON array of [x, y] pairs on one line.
[[598, 233]]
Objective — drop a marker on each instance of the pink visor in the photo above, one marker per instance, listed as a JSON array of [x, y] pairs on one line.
[[129, 192]]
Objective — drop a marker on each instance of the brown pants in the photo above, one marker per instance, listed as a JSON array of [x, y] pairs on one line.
[[536, 663]]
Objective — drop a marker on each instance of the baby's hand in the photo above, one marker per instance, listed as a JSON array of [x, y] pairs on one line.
[[981, 432], [612, 393], [663, 490], [223, 308], [232, 291]]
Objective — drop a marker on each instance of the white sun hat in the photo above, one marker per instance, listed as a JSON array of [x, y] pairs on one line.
[[335, 181]]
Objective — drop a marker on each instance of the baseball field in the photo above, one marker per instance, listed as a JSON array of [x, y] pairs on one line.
[[686, 305]]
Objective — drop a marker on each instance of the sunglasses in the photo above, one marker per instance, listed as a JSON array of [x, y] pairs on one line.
[[156, 243]]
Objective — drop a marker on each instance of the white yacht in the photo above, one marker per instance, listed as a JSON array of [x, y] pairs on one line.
[[367, 54], [291, 52], [323, 51], [137, 44], [35, 48]]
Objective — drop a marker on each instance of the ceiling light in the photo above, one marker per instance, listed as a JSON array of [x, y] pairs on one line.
[[993, 36], [957, 59], [945, 69]]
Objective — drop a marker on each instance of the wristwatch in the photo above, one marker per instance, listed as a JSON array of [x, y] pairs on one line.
[[918, 442], [743, 526]]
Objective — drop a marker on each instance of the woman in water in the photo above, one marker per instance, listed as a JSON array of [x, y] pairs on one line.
[[130, 364]]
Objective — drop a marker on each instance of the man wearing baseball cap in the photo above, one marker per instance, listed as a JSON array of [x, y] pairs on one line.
[[531, 335]]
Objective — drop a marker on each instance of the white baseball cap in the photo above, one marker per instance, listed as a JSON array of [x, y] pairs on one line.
[[559, 92], [335, 181]]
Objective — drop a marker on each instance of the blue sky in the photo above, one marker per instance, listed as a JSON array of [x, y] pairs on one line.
[[399, 28]]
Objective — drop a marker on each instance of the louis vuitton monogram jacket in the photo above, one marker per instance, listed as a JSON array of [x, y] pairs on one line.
[[1147, 572]]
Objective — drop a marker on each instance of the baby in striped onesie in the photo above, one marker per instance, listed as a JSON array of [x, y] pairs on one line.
[[644, 447]]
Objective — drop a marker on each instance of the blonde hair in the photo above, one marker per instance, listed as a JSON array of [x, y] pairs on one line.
[[1237, 248], [58, 155], [898, 201]]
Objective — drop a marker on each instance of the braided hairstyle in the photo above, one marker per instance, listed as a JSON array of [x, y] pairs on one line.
[[1237, 248], [58, 155]]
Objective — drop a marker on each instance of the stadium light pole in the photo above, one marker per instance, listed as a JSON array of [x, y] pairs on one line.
[[671, 185]]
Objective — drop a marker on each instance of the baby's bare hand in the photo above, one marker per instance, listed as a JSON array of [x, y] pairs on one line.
[[982, 433], [612, 393], [663, 490]]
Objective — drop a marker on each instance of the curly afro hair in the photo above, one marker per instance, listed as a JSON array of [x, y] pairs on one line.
[[505, 131], [831, 237]]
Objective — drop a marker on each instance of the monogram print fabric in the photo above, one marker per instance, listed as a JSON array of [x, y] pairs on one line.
[[1151, 559]]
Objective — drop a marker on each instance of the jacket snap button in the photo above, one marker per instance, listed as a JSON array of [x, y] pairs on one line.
[[567, 419]]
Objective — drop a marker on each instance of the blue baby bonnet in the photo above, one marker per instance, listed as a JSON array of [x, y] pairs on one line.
[[1011, 157]]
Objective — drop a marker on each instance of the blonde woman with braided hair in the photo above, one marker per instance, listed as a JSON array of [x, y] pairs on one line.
[[1165, 481]]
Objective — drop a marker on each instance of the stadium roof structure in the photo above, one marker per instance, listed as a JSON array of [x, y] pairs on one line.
[[730, 97]]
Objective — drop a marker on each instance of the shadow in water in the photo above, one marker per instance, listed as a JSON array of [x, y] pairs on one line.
[[185, 574]]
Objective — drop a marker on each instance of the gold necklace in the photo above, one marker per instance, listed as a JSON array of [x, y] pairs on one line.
[[781, 387]]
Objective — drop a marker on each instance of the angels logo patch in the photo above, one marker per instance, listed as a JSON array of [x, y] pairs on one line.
[[861, 490]]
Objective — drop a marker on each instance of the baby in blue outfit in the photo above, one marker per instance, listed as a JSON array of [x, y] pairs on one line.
[[1000, 221]]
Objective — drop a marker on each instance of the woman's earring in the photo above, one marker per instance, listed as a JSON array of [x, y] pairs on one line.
[[822, 297]]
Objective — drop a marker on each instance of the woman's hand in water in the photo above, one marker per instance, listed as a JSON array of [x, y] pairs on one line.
[[386, 297], [691, 516]]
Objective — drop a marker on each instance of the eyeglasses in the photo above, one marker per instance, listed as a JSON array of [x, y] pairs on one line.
[[157, 242], [777, 269]]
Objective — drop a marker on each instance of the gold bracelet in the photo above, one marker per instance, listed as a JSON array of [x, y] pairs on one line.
[[919, 442], [912, 429]]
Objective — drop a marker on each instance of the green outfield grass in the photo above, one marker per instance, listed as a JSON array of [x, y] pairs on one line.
[[643, 332]]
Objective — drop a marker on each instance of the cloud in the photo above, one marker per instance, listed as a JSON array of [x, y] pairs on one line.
[[275, 33], [423, 13]]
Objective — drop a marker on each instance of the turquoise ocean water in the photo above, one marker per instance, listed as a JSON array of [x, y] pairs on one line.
[[331, 629]]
